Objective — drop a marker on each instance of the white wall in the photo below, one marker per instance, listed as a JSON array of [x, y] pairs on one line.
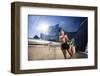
[[5, 42]]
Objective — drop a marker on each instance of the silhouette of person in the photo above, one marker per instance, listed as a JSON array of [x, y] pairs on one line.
[[65, 46]]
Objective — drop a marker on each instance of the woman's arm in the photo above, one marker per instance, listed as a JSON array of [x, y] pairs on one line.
[[60, 38], [66, 37]]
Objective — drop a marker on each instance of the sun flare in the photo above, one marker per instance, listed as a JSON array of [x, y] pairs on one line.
[[43, 27]]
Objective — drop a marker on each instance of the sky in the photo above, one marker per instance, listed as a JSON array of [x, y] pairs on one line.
[[39, 23]]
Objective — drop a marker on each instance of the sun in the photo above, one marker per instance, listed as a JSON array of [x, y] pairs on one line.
[[43, 27]]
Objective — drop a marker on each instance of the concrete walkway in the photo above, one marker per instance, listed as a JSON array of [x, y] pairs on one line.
[[42, 52]]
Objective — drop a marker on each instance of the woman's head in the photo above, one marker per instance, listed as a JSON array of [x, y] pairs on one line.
[[62, 31]]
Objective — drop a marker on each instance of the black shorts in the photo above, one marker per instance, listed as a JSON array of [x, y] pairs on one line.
[[64, 46]]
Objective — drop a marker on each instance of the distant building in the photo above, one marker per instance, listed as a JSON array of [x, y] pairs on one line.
[[43, 36], [53, 33], [36, 37]]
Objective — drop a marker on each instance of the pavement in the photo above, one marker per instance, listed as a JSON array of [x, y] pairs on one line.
[[44, 52]]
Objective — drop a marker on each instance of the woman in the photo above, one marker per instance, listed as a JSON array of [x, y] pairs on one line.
[[65, 46]]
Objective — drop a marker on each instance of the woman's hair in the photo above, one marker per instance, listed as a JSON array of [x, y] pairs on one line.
[[62, 30]]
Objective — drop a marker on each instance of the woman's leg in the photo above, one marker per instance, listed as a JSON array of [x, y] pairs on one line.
[[70, 52], [64, 53], [73, 50]]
